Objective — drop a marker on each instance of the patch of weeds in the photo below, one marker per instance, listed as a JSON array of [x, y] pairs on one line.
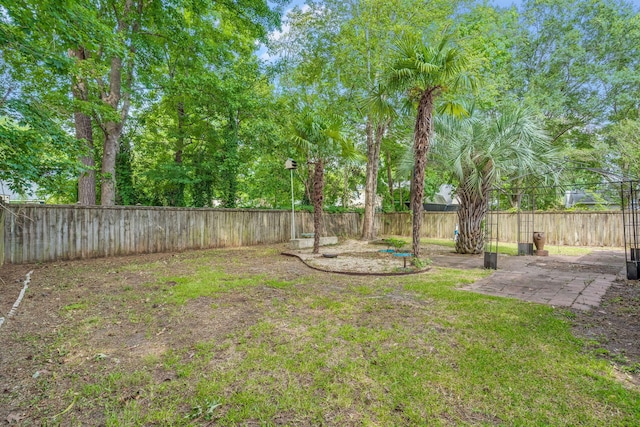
[[567, 314], [151, 360], [363, 290], [326, 303], [171, 359], [100, 356], [420, 263], [396, 243], [600, 351], [148, 266], [440, 281], [206, 282], [74, 306], [278, 284], [204, 348], [627, 310], [140, 317], [619, 358], [631, 369], [204, 410], [28, 337], [369, 307]]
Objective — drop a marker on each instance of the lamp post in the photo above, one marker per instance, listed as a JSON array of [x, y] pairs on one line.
[[292, 165]]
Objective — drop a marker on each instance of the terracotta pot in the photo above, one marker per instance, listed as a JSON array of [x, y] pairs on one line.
[[539, 240]]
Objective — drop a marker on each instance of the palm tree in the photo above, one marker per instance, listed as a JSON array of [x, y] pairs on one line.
[[424, 72], [322, 136], [482, 149]]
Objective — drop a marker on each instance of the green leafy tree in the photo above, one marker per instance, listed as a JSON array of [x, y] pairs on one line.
[[34, 149], [577, 64], [624, 137], [97, 57]]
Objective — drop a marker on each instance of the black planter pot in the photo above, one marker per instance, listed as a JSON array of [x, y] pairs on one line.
[[525, 249], [632, 270], [491, 260]]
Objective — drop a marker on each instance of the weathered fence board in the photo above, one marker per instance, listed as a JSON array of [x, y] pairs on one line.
[[561, 228], [36, 233]]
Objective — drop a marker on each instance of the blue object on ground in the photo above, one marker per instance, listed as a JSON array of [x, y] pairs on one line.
[[388, 251]]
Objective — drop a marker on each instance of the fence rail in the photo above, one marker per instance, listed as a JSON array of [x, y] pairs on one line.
[[38, 233]]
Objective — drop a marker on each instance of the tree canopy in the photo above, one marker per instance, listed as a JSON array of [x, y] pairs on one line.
[[194, 103]]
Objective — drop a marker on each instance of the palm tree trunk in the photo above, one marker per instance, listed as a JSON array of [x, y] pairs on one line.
[[473, 208], [318, 197], [421, 141]]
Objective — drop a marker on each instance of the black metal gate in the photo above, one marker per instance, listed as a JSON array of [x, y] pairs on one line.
[[630, 199], [491, 236], [629, 203], [526, 211]]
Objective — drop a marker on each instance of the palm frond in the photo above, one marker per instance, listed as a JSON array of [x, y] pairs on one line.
[[482, 148], [453, 108]]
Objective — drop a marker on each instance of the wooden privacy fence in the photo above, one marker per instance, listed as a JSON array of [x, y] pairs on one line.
[[581, 228], [37, 233]]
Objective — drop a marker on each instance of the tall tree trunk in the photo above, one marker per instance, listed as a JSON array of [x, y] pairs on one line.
[[84, 131], [374, 141], [472, 210], [125, 188], [421, 141], [87, 179], [345, 187], [178, 191], [230, 163], [112, 131], [390, 180], [119, 102], [318, 197], [308, 185]]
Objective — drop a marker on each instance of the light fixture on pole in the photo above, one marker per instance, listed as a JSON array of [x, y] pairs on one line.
[[292, 165]]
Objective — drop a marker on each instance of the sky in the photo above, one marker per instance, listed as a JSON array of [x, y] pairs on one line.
[[262, 51], [501, 3]]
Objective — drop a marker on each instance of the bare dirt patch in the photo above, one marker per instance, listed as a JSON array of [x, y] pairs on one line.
[[84, 321], [613, 330]]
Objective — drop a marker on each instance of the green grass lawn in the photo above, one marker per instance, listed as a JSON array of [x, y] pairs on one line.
[[509, 248], [323, 349]]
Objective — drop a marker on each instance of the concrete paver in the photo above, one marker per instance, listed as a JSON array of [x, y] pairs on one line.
[[578, 282]]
